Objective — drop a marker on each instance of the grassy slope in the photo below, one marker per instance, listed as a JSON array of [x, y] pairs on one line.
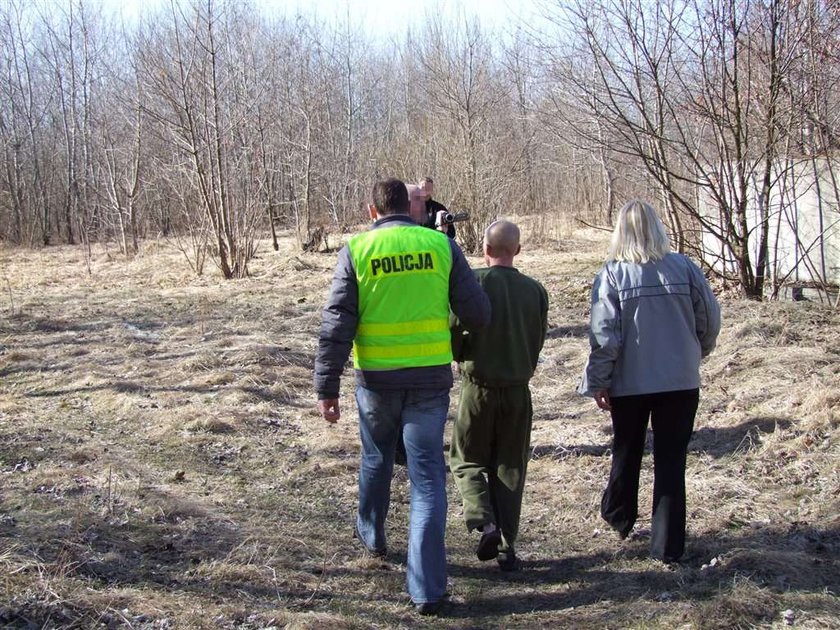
[[162, 464]]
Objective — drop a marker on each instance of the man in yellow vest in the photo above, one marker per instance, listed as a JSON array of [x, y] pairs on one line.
[[390, 300]]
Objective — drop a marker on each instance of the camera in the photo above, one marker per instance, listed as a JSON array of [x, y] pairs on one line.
[[450, 218]]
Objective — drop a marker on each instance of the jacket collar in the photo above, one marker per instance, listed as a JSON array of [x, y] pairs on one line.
[[393, 220]]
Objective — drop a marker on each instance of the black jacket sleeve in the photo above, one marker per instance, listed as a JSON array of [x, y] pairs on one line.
[[339, 321], [467, 299]]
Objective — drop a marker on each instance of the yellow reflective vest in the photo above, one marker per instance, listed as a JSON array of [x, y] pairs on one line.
[[403, 279]]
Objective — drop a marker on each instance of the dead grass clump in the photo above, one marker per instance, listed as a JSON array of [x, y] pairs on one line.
[[83, 456], [273, 355], [16, 356], [12, 563], [136, 351], [204, 361], [813, 610], [317, 621], [325, 469], [167, 507], [116, 400], [760, 330], [210, 425], [219, 378], [777, 570], [226, 571], [744, 606], [822, 408]]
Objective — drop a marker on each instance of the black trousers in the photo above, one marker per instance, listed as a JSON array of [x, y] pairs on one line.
[[672, 418]]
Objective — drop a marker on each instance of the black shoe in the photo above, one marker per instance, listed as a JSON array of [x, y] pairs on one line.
[[622, 533], [376, 553], [429, 608], [508, 561], [488, 546]]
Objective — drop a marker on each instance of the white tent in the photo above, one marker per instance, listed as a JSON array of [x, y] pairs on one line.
[[804, 235]]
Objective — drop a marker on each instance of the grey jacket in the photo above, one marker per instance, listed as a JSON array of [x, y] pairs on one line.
[[650, 325], [340, 318]]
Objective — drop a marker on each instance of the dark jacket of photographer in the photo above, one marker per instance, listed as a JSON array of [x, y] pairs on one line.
[[341, 315]]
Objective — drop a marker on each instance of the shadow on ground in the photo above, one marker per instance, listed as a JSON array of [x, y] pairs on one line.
[[716, 442], [797, 559]]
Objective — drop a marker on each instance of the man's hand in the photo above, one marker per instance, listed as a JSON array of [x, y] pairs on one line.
[[602, 399], [329, 410], [439, 223]]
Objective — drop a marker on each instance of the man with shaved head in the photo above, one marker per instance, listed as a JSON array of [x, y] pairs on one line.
[[492, 433]]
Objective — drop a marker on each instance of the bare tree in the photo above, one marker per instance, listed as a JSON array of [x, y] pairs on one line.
[[211, 122], [194, 82], [23, 125], [463, 93], [121, 140], [690, 92]]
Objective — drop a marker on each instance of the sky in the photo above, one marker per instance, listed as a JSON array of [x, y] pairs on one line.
[[385, 17], [393, 16]]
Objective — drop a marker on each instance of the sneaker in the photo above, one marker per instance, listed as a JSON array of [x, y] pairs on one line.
[[488, 546], [429, 608], [376, 553], [508, 561]]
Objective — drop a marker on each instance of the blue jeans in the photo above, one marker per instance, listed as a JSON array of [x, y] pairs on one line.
[[422, 414]]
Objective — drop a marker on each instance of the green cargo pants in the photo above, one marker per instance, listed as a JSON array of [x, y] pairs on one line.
[[489, 455]]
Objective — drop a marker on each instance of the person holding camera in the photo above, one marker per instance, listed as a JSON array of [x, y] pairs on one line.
[[435, 212], [391, 295]]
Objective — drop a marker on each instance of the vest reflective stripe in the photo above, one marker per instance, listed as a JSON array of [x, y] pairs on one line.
[[396, 352], [402, 328], [403, 279]]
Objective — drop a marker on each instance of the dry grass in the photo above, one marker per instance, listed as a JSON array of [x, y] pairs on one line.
[[163, 465]]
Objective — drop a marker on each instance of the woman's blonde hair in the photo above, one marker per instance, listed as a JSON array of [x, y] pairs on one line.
[[639, 235]]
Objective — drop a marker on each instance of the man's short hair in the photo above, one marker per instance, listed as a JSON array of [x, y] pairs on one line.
[[428, 180], [390, 196], [503, 237]]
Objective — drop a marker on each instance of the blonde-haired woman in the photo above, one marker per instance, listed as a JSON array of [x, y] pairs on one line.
[[653, 318]]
